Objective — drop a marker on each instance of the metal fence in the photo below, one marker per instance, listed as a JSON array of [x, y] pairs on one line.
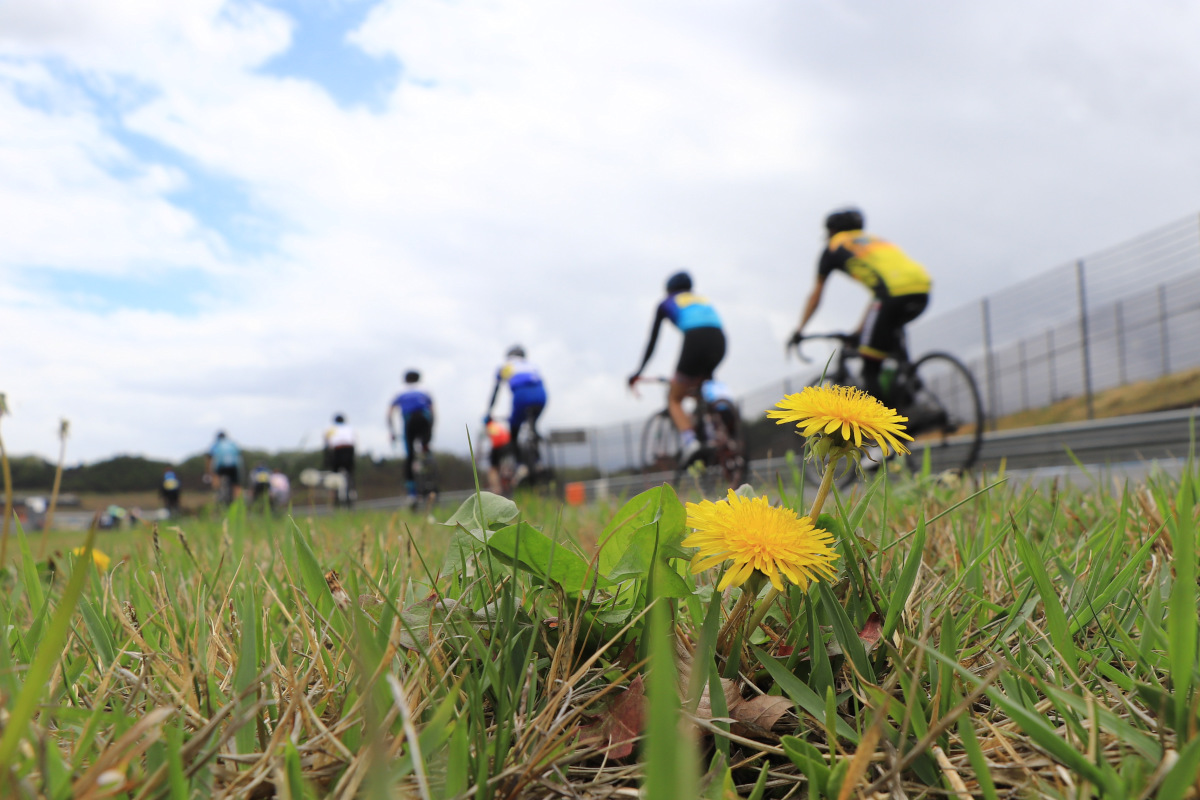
[[1126, 314]]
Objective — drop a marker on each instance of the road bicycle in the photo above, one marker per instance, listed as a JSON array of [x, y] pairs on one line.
[[222, 486], [521, 465], [425, 474], [936, 392], [722, 448]]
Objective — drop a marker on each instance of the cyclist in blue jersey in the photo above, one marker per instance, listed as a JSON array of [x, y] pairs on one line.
[[528, 392], [415, 407], [224, 459], [703, 349]]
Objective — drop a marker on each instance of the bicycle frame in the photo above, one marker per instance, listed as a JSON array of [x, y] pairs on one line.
[[841, 373]]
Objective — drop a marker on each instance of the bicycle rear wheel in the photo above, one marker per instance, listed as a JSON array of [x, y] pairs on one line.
[[729, 452], [945, 412], [425, 474], [660, 444]]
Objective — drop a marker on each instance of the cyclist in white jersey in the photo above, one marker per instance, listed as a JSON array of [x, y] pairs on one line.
[[340, 442]]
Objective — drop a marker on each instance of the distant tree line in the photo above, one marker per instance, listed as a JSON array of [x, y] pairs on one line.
[[124, 473]]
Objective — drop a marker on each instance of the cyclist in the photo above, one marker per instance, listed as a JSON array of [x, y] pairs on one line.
[[224, 460], [280, 490], [500, 443], [721, 401], [339, 458], [416, 415], [900, 285], [528, 396], [170, 490], [260, 479], [703, 349]]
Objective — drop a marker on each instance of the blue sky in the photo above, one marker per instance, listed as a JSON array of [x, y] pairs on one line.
[[320, 52], [246, 215]]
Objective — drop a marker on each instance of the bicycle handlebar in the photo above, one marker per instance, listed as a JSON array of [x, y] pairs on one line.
[[647, 379], [846, 339]]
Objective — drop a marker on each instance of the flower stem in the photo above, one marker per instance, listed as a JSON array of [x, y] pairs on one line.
[[725, 637], [761, 610], [823, 489], [822, 492]]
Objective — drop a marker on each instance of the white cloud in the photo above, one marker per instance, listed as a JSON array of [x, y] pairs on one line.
[[536, 174]]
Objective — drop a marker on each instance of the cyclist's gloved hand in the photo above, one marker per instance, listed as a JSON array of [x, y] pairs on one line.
[[854, 339], [795, 340], [634, 378], [487, 420]]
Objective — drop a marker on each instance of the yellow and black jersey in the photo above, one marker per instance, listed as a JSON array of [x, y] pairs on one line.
[[878, 265]]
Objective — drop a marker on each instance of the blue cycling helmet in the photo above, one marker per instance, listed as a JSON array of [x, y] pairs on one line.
[[679, 282]]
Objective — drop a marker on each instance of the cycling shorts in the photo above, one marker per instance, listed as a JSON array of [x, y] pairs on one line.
[[417, 428], [527, 401], [342, 458], [703, 349], [883, 329], [497, 454], [232, 472]]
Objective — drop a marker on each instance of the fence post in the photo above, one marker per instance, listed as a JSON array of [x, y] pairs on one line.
[[1081, 284], [1162, 329], [989, 365], [1119, 311], [1050, 364], [595, 437], [629, 447], [1024, 375]]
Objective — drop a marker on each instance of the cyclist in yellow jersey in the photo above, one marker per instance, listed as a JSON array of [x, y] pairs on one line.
[[900, 285]]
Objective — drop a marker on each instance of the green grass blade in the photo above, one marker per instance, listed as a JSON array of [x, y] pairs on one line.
[[101, 634], [983, 771], [1182, 621], [29, 573], [671, 766], [1056, 618], [48, 652], [908, 577], [845, 632], [247, 667], [803, 696], [310, 572], [1182, 776]]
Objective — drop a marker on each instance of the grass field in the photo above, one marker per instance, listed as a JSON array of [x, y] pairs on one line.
[[977, 640]]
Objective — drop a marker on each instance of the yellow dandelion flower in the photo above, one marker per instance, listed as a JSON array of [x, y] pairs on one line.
[[756, 536], [845, 412], [100, 559]]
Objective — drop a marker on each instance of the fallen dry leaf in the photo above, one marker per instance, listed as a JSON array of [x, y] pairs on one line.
[[752, 717], [619, 726], [872, 631], [762, 711]]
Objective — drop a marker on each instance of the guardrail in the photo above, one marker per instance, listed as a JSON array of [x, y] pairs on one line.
[[1140, 437]]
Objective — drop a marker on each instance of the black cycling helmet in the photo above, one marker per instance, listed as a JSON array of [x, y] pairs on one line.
[[516, 351], [412, 376], [220, 434], [844, 219], [339, 418], [679, 282]]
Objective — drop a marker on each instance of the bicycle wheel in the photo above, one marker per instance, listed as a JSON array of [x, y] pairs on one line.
[[728, 450], [945, 413], [225, 491], [660, 444], [427, 477]]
